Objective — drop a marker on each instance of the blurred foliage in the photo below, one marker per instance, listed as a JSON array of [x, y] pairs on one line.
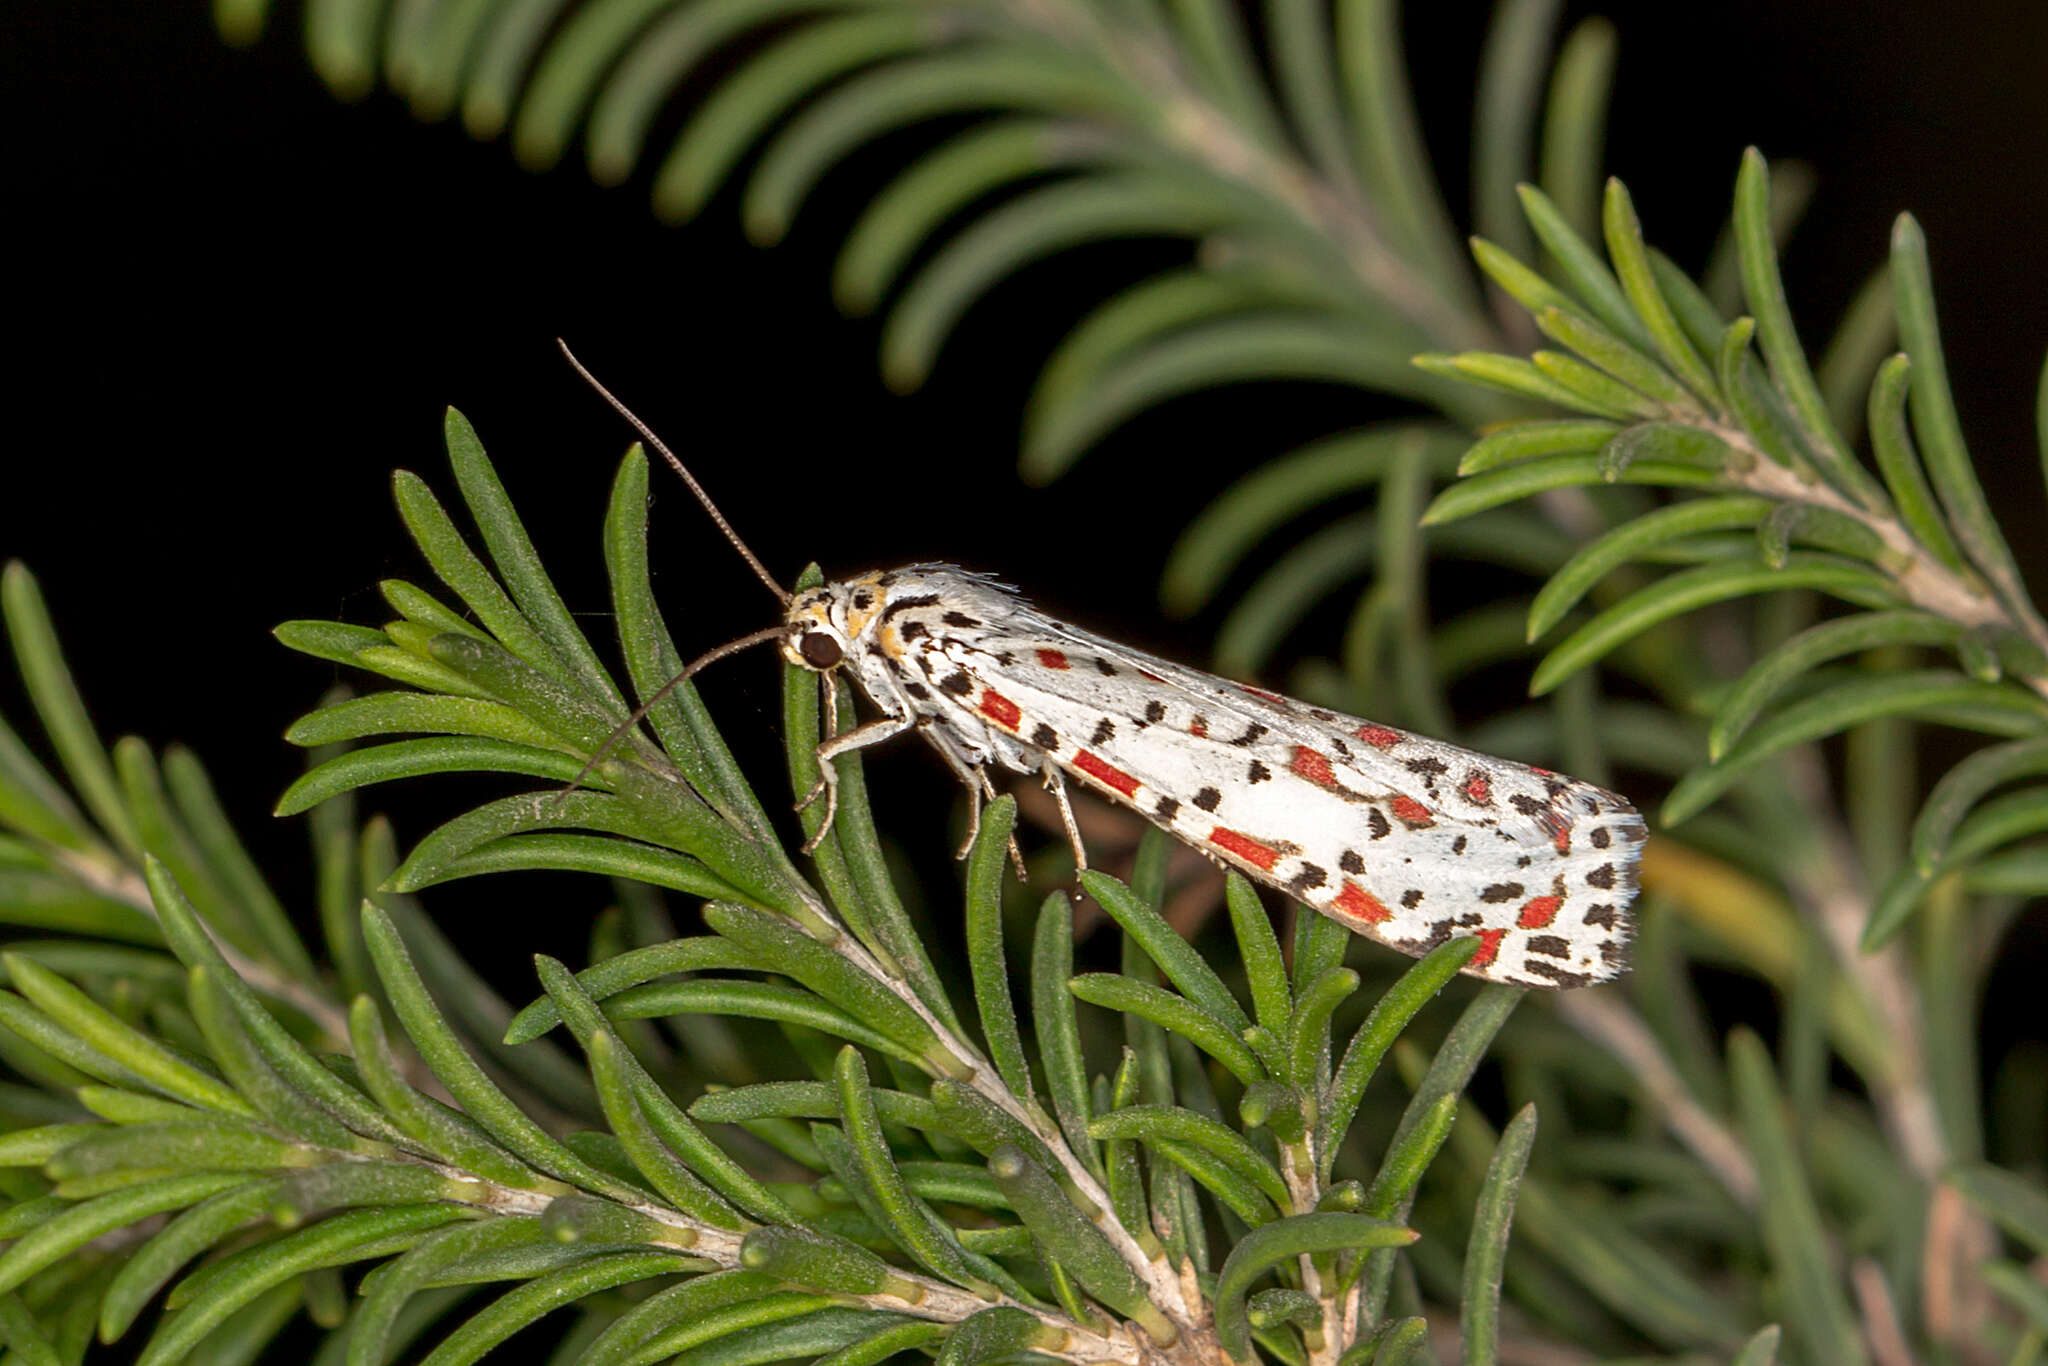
[[1644, 458]]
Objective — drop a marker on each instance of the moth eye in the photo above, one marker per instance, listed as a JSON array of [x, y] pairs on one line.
[[819, 650]]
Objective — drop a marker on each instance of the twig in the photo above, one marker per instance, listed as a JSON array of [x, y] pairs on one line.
[[1605, 1018], [1881, 1328]]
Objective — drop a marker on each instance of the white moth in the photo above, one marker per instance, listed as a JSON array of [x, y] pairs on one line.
[[1407, 840]]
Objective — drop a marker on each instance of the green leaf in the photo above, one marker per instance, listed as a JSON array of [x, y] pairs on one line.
[[1581, 269], [57, 1237], [632, 968], [1390, 1015], [919, 201], [1526, 480], [56, 700], [1113, 991], [1941, 433], [1267, 345], [387, 1290], [481, 1100], [986, 865], [417, 758], [1761, 1350], [1841, 706], [788, 950], [1794, 1235], [1520, 441], [1170, 1123], [1805, 652], [389, 713], [1066, 1235], [1055, 1027], [993, 1333], [1690, 589], [517, 1308], [134, 1051], [1632, 539], [1631, 260], [908, 1219], [1574, 122], [1487, 1249], [620, 1085], [1259, 948], [1251, 509], [1183, 966], [1280, 1242], [1962, 787], [1765, 293]]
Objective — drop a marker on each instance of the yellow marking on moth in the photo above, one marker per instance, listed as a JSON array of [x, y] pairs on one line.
[[856, 619]]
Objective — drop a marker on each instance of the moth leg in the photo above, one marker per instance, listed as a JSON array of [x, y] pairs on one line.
[[1056, 783], [860, 737], [973, 819], [1016, 854]]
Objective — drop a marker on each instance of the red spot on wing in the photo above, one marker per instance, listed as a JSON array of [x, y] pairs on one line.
[[1105, 774], [1260, 692], [1538, 912], [1563, 839], [1477, 790], [1147, 673], [1245, 847], [1199, 728], [1313, 767], [1000, 709], [1489, 949], [1358, 904], [1052, 659], [1379, 737], [1411, 812]]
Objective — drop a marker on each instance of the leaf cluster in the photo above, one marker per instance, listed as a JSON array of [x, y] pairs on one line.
[[205, 1122]]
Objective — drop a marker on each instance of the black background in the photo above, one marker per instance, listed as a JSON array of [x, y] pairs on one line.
[[238, 303]]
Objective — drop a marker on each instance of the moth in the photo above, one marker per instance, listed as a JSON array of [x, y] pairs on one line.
[[1404, 839]]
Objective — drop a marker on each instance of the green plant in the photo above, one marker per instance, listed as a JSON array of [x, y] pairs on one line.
[[1683, 1191]]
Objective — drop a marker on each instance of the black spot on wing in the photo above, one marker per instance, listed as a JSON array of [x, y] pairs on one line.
[[960, 619], [905, 604], [959, 685], [1412, 898], [1562, 978], [1250, 736], [1045, 737], [1377, 822], [1105, 731], [917, 690], [1600, 914], [1166, 808], [1208, 799], [1601, 877], [1154, 711], [1458, 845], [913, 630], [1308, 879], [1351, 862], [1428, 768], [1500, 891], [1257, 773], [1104, 667], [1550, 945]]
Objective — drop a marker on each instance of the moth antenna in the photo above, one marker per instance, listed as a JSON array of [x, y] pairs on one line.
[[647, 432], [711, 656]]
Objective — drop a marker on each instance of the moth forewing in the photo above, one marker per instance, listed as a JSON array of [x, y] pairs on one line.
[[1405, 839]]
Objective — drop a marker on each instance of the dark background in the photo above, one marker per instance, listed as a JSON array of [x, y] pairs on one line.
[[239, 303]]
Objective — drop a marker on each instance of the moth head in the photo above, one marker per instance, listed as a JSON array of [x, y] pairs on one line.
[[815, 641]]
